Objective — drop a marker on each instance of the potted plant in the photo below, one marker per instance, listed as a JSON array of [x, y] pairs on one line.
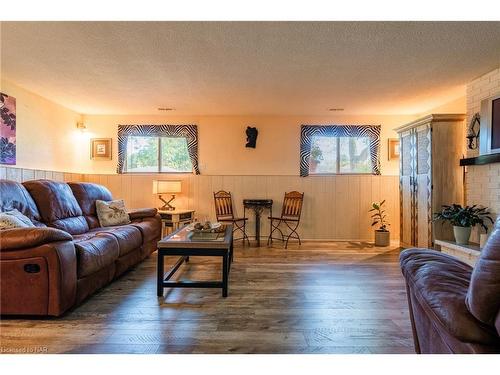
[[316, 157], [382, 234], [463, 219]]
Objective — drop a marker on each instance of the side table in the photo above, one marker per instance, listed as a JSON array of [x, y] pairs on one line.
[[466, 253], [175, 219], [258, 205]]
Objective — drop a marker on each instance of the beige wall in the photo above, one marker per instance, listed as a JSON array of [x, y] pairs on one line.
[[46, 135], [457, 105], [335, 207], [482, 181], [47, 138], [222, 148]]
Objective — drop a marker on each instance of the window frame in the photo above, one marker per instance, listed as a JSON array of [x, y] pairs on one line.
[[337, 164], [159, 137]]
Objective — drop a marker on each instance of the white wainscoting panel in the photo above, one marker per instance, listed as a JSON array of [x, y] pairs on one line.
[[26, 174], [335, 207]]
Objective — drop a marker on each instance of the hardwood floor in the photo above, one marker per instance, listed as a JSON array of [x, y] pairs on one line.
[[322, 297]]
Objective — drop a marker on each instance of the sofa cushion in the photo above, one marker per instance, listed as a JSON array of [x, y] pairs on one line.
[[14, 195], [86, 195], [129, 237], [14, 219], [150, 228], [94, 251], [112, 213], [57, 205], [483, 297], [439, 283]]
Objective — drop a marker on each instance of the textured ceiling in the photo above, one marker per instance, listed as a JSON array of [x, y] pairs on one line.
[[238, 68]]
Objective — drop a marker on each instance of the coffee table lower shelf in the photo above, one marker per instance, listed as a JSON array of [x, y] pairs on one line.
[[163, 279]]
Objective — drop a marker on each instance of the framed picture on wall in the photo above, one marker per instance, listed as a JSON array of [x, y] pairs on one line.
[[100, 149], [393, 149]]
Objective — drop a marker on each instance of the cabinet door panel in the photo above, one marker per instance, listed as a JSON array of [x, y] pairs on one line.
[[406, 188], [406, 235], [423, 187], [423, 212]]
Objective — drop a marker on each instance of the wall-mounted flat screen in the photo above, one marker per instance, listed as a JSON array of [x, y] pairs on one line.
[[489, 136], [495, 124]]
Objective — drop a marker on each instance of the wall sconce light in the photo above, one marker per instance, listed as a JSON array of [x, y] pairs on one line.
[[473, 132], [81, 126]]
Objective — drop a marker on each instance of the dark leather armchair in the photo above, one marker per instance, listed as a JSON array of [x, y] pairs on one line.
[[68, 256], [453, 307]]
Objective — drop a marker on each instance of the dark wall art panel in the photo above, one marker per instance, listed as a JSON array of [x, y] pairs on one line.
[[7, 129]]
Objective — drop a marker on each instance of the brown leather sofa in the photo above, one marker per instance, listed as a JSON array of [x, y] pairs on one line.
[[453, 307], [48, 269]]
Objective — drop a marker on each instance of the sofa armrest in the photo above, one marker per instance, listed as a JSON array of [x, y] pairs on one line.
[[439, 283], [37, 280], [142, 213], [497, 323], [22, 238]]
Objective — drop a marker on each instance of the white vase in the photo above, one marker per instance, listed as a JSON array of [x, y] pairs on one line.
[[462, 234]]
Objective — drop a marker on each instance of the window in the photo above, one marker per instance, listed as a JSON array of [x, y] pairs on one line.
[[157, 149], [338, 149], [157, 154], [336, 155]]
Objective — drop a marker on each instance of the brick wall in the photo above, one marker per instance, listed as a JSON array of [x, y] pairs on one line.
[[482, 181]]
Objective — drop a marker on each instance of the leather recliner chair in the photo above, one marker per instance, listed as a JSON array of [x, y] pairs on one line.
[[48, 269], [454, 308]]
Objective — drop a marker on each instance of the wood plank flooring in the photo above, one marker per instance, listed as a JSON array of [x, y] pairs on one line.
[[321, 297]]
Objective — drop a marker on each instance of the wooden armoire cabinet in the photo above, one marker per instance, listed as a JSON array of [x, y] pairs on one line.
[[429, 176]]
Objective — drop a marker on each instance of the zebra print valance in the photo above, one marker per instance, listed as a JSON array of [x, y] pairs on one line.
[[190, 132], [308, 131]]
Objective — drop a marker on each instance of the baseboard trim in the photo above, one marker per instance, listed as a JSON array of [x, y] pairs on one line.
[[264, 238]]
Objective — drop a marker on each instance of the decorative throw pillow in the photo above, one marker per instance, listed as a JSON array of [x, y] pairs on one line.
[[14, 219], [111, 213]]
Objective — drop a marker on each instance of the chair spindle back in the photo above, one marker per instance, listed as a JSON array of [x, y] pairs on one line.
[[292, 205], [223, 205]]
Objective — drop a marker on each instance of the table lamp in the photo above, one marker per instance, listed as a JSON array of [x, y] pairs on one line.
[[166, 187]]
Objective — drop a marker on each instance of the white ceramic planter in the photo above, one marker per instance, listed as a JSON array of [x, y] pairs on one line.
[[382, 238], [462, 234]]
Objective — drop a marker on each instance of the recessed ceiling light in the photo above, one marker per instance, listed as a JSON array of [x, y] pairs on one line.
[[335, 109], [166, 109]]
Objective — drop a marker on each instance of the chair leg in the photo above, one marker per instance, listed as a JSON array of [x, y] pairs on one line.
[[245, 233], [293, 231], [272, 229], [242, 229], [275, 227]]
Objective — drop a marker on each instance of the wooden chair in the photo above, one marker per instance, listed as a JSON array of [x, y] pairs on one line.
[[290, 216], [225, 214]]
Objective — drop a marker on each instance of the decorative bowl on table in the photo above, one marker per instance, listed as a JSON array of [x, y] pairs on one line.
[[207, 227]]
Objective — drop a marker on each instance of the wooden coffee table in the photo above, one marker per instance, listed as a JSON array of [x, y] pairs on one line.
[[180, 243]]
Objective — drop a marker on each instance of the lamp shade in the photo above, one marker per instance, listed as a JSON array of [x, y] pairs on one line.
[[163, 187]]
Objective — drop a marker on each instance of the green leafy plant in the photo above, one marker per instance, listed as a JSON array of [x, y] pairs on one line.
[[379, 216], [467, 216], [316, 153]]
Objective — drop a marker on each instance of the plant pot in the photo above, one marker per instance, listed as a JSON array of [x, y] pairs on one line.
[[462, 234], [382, 238], [313, 165]]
